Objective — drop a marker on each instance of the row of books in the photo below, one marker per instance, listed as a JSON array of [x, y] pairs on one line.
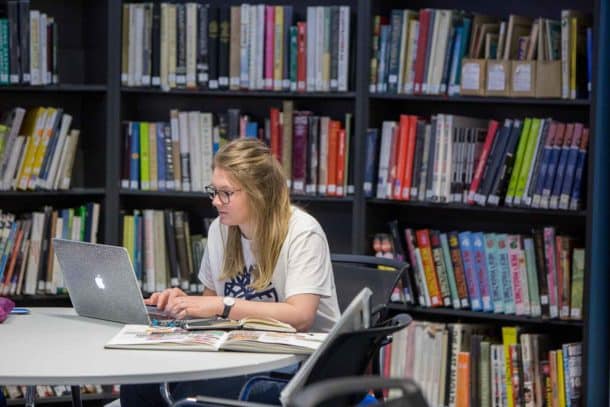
[[535, 162], [16, 392], [177, 155], [27, 263], [421, 52], [465, 365], [235, 47], [28, 46], [541, 275], [37, 149], [163, 250]]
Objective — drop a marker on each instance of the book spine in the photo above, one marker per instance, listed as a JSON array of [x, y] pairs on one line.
[[493, 273], [551, 270], [458, 267], [223, 48], [440, 268], [455, 299], [423, 243], [213, 47]]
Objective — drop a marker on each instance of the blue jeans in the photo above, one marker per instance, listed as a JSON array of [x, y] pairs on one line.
[[230, 387]]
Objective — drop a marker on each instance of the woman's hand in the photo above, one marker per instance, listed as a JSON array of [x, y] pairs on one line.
[[183, 307], [161, 299]]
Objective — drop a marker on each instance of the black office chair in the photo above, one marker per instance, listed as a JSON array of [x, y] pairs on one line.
[[328, 392], [349, 354], [353, 272]]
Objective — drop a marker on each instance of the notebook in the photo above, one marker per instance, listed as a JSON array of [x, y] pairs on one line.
[[102, 283]]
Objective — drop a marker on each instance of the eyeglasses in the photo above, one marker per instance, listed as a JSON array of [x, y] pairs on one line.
[[223, 195]]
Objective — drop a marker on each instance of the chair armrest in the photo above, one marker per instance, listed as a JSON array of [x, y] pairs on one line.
[[215, 401]]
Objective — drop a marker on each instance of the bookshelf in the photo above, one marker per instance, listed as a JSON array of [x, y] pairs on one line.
[[90, 89]]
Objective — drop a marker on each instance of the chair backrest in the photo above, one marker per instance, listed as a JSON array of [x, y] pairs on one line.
[[353, 272], [347, 354], [327, 391]]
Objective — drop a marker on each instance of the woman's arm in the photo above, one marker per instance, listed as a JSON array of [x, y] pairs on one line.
[[298, 310]]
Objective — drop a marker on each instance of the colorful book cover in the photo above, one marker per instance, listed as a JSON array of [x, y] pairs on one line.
[[504, 267], [455, 299], [480, 269], [472, 280], [493, 272]]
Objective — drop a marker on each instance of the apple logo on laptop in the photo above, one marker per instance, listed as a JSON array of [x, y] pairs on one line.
[[100, 282]]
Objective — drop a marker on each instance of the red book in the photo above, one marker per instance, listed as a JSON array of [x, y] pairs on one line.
[[401, 161], [276, 147], [341, 164], [408, 177], [333, 144], [269, 45], [492, 128], [299, 151], [420, 57], [425, 249], [301, 56]]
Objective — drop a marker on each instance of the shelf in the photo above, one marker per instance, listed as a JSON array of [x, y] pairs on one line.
[[66, 88], [496, 210], [234, 93], [164, 194], [330, 199], [48, 194], [64, 400], [42, 300], [472, 316], [481, 99]]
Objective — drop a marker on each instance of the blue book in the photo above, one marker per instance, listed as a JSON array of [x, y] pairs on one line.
[[578, 172], [561, 167], [504, 268], [545, 161], [161, 171], [472, 281], [568, 178], [394, 49], [370, 162], [8, 245], [465, 40], [552, 167], [67, 224], [384, 39], [252, 130], [134, 150], [455, 57], [493, 272], [480, 269]]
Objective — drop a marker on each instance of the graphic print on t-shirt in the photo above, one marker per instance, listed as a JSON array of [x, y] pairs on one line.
[[239, 287]]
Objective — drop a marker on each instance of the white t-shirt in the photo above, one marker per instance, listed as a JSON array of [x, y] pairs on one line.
[[303, 267]]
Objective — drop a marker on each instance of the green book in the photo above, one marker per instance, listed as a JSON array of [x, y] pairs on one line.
[[528, 157], [484, 375], [578, 276], [4, 52], [455, 299], [144, 157], [512, 185], [532, 277]]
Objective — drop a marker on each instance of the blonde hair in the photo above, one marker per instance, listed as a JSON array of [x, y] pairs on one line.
[[250, 164]]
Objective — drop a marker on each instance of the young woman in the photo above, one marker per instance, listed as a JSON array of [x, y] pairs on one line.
[[264, 257]]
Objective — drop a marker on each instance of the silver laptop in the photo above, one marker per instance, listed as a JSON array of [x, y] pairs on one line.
[[101, 282]]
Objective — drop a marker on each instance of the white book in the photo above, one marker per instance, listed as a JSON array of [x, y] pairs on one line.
[[244, 47], [444, 29], [311, 47], [161, 261], [149, 251], [323, 161], [35, 72], [438, 157], [139, 46], [45, 76], [191, 45], [319, 47], [171, 46], [445, 188], [71, 155], [260, 47], [48, 183], [565, 54], [343, 58], [387, 129], [253, 48], [57, 280], [433, 51], [206, 152], [176, 146], [164, 57], [194, 134], [63, 158]]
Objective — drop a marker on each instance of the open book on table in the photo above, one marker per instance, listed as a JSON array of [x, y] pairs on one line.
[[160, 338], [250, 323]]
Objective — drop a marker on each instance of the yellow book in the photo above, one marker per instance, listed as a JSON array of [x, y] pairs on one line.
[[509, 337], [528, 160], [144, 157], [45, 136], [523, 140], [128, 237], [278, 49], [573, 53], [561, 388], [30, 124]]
